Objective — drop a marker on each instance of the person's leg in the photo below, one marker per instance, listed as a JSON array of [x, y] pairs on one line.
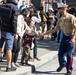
[[16, 54], [17, 51], [69, 58], [4, 55], [23, 56], [35, 50], [1, 45], [8, 57], [14, 50], [27, 55], [61, 54], [9, 39]]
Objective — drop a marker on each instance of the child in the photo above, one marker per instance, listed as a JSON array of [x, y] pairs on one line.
[[27, 43]]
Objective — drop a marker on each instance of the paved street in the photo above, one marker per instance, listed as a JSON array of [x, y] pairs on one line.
[[45, 49], [47, 52], [50, 68]]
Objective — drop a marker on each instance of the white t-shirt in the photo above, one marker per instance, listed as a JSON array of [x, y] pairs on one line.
[[22, 26]]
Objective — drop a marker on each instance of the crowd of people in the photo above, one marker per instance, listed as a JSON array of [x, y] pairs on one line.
[[20, 29]]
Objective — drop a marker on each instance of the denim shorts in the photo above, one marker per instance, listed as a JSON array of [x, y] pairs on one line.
[[8, 38]]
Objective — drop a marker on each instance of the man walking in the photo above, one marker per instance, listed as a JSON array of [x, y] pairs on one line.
[[8, 14], [67, 23]]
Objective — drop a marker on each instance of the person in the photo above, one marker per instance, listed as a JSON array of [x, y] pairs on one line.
[[43, 23], [51, 19], [8, 28], [37, 19], [67, 23], [27, 42], [4, 51], [24, 5], [21, 28]]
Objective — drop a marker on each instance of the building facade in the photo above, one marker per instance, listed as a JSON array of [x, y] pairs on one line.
[[71, 3], [37, 3]]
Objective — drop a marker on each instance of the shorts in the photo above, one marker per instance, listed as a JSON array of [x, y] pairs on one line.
[[8, 38]]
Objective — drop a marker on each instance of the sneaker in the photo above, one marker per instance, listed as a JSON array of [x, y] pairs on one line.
[[59, 69], [36, 58], [68, 73], [17, 64], [10, 69], [13, 69], [13, 65], [27, 64], [22, 63]]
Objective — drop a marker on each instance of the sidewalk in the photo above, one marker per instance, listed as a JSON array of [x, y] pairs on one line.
[[47, 50]]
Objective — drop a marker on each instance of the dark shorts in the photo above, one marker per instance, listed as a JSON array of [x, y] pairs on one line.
[[8, 38]]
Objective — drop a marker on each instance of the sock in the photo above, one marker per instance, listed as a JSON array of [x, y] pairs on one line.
[[9, 66]]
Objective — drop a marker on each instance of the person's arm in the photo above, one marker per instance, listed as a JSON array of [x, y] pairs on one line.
[[35, 19], [74, 36], [57, 27], [15, 13], [52, 31], [19, 23]]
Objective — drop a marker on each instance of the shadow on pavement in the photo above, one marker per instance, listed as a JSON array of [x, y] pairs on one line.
[[33, 70], [48, 72], [48, 44]]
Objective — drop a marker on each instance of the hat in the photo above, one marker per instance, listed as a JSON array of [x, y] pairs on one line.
[[51, 9], [62, 5], [31, 33]]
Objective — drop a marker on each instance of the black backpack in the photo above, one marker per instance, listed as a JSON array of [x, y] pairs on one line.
[[5, 14]]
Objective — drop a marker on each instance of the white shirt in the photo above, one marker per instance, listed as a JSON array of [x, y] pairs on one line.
[[22, 26]]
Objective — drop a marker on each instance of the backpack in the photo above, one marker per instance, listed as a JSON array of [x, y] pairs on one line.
[[5, 13]]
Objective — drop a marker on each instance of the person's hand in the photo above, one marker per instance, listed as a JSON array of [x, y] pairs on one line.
[[38, 36], [73, 41], [42, 34], [38, 12], [16, 37]]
